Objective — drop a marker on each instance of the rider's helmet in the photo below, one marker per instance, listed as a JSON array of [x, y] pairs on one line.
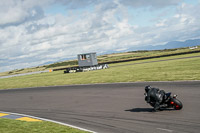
[[147, 88]]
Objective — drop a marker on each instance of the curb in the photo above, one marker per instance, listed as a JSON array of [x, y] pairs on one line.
[[24, 117], [18, 117]]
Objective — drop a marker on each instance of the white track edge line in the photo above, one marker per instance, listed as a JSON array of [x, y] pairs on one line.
[[163, 129], [44, 119]]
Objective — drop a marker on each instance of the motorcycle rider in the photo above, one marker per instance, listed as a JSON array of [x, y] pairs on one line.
[[155, 96]]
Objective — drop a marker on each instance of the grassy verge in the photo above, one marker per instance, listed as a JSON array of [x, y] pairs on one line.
[[171, 70], [104, 58], [15, 126]]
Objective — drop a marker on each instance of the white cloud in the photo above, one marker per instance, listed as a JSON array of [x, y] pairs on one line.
[[14, 12], [30, 37]]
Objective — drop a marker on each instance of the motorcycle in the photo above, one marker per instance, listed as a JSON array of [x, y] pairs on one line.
[[169, 102]]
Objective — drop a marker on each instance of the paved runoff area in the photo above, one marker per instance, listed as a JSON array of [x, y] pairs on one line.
[[17, 117]]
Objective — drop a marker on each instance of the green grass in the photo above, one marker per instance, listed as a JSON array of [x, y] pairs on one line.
[[103, 58], [172, 70], [141, 54], [16, 126]]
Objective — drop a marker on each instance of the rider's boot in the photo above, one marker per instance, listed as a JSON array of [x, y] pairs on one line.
[[156, 107]]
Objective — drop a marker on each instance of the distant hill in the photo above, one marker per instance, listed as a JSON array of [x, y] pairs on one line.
[[171, 45]]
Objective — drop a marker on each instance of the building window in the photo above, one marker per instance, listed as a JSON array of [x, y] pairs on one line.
[[85, 56]]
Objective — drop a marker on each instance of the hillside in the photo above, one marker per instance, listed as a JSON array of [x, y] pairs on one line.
[[171, 45]]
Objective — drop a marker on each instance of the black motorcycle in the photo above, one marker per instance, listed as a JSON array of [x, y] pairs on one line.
[[169, 102]]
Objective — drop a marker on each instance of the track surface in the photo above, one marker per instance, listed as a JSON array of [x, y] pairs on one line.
[[108, 108]]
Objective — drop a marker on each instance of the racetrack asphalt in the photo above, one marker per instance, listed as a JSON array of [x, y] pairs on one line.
[[109, 108]]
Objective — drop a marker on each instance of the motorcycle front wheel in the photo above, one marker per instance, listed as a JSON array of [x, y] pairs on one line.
[[177, 104]]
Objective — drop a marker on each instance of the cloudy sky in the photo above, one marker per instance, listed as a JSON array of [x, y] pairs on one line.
[[33, 32]]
